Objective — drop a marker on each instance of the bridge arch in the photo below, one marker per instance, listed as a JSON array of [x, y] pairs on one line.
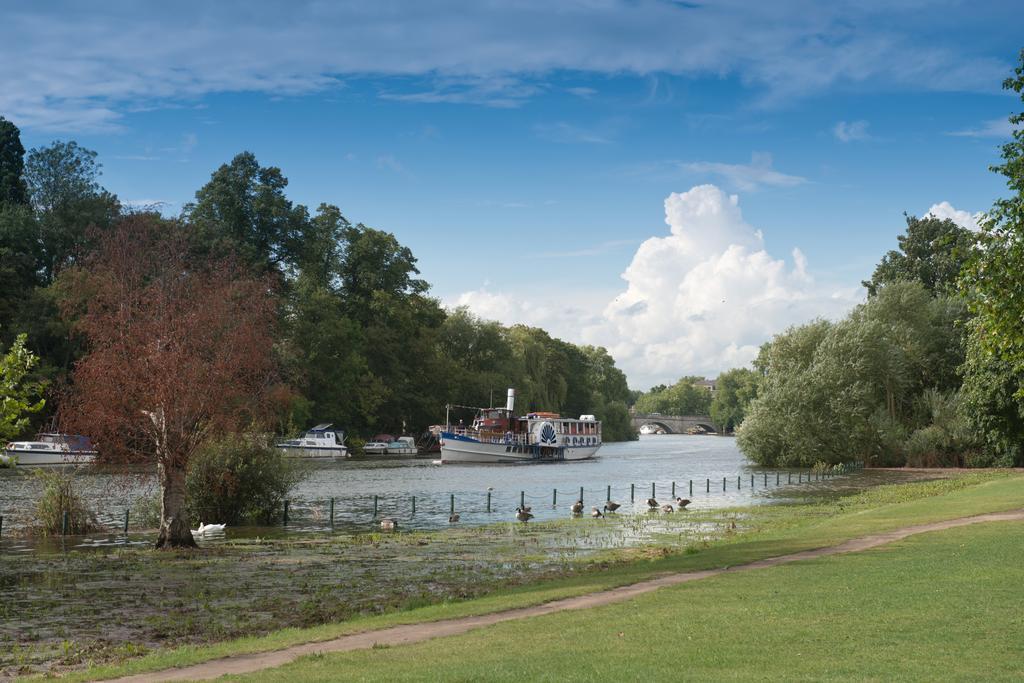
[[673, 424]]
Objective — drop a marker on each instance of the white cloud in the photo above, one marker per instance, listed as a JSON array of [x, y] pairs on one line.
[[699, 300], [757, 173], [76, 66], [993, 128], [848, 131], [964, 219]]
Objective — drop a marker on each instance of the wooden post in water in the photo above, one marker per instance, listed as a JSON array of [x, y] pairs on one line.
[[332, 511], [739, 482], [554, 498], [375, 506], [765, 478], [777, 478], [691, 487], [751, 481], [652, 490], [126, 511], [632, 493], [709, 486], [1, 525], [581, 495], [609, 493], [522, 499], [723, 484], [488, 501], [673, 490], [451, 508], [414, 504]]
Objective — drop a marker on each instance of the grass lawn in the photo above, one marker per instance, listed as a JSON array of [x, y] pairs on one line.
[[761, 532], [941, 606]]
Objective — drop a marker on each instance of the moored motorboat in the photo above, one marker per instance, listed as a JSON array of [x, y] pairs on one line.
[[497, 436], [375, 447], [403, 445], [319, 442], [52, 448]]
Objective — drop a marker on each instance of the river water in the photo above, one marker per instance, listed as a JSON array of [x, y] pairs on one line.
[[629, 468]]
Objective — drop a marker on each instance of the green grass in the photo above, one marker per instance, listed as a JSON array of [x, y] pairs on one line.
[[941, 606], [766, 531]]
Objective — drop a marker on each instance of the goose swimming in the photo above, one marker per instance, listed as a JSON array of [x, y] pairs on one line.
[[523, 515], [453, 518], [208, 529]]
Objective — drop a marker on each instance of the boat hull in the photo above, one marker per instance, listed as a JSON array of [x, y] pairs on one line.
[[30, 458], [456, 449], [315, 452]]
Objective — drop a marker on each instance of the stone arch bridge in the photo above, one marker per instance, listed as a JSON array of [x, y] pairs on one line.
[[672, 424]]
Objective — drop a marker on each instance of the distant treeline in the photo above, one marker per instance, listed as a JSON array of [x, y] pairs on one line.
[[358, 339]]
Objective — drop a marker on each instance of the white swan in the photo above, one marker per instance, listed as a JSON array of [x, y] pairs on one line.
[[208, 529]]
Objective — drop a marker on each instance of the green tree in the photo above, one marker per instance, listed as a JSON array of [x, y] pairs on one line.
[[63, 185], [243, 210], [932, 252], [735, 389], [682, 398], [991, 403], [994, 278], [12, 165], [851, 390], [19, 395]]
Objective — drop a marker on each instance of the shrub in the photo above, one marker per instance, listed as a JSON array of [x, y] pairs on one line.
[[59, 497], [240, 479]]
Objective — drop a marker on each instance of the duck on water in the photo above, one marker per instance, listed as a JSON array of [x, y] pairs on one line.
[[498, 436]]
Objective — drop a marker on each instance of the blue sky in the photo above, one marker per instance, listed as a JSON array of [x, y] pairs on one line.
[[525, 152]]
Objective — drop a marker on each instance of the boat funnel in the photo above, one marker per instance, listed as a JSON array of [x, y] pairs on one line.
[[511, 403]]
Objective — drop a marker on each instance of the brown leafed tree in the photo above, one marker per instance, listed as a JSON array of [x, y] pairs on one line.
[[177, 351]]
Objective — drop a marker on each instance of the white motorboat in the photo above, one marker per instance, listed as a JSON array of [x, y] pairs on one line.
[[375, 447], [403, 445], [52, 448], [497, 436], [319, 442]]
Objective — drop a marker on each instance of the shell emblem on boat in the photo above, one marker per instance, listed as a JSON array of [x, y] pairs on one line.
[[547, 433]]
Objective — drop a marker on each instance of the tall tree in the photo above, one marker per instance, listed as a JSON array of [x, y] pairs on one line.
[[994, 279], [12, 165], [63, 184], [178, 350], [932, 252], [243, 210]]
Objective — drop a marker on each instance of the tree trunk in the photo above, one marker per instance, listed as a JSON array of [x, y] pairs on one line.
[[174, 526]]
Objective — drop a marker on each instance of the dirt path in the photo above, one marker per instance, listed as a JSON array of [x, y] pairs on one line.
[[414, 633]]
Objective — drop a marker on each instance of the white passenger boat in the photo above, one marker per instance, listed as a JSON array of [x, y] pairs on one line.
[[319, 442], [498, 436], [52, 449]]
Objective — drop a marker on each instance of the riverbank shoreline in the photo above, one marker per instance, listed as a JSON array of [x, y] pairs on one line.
[[760, 533]]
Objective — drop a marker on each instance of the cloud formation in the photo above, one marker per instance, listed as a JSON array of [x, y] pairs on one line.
[[848, 131], [699, 300], [76, 66], [964, 219], [759, 172], [993, 128]]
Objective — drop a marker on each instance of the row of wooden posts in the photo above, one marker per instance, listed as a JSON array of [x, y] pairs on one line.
[[632, 491], [65, 522]]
